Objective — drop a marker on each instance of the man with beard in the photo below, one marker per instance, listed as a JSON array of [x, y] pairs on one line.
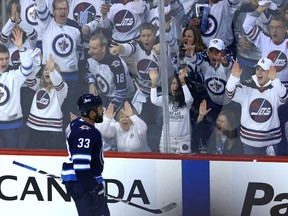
[[82, 174]]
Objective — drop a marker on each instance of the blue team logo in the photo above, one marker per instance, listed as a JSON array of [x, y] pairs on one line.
[[215, 86], [84, 13], [212, 26], [124, 21], [62, 45], [132, 135], [30, 15], [15, 58], [4, 94], [42, 99], [102, 84], [260, 110], [279, 59], [143, 67]]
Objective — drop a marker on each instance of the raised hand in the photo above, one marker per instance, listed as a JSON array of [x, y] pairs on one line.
[[272, 72], [128, 111], [183, 74], [17, 38], [50, 64], [236, 70], [153, 74], [110, 111]]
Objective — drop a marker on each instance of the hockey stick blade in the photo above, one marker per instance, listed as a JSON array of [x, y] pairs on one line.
[[35, 170], [165, 209]]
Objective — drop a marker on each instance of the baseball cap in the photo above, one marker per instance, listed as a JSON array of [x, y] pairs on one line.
[[216, 43], [264, 63]]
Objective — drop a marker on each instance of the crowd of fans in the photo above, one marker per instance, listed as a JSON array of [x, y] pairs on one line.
[[53, 51]]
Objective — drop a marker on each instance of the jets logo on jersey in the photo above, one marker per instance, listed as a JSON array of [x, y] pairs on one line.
[[132, 135], [4, 94], [102, 84], [211, 26], [42, 99], [260, 110], [175, 107], [115, 63], [143, 67], [124, 21], [85, 127], [215, 86], [279, 59], [62, 45], [84, 13], [30, 14], [15, 58]]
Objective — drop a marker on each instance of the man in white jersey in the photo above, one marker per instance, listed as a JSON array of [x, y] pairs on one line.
[[260, 125], [275, 48], [10, 84], [61, 37]]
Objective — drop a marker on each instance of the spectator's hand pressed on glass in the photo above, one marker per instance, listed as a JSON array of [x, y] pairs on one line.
[[236, 70], [17, 38], [272, 72], [110, 111]]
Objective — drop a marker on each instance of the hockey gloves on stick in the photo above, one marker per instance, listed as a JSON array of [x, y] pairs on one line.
[[98, 196]]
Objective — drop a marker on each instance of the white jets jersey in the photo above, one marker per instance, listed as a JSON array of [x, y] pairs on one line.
[[133, 140], [144, 61], [84, 12], [179, 117], [45, 113], [59, 40], [125, 20], [10, 84], [214, 79], [28, 13], [111, 77], [277, 53], [29, 43], [260, 125]]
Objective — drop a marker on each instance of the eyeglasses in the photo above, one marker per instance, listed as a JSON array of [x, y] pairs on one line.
[[65, 9]]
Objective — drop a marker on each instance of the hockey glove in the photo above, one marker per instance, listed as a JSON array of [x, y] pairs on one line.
[[98, 196]]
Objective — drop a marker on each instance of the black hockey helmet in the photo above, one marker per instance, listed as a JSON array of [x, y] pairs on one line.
[[87, 102]]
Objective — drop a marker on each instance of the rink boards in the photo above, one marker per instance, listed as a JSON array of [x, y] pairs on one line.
[[197, 187]]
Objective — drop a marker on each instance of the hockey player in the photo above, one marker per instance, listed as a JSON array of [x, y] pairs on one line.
[[260, 125], [82, 174], [10, 84]]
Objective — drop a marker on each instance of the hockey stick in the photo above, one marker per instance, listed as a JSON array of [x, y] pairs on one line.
[[35, 170], [154, 211]]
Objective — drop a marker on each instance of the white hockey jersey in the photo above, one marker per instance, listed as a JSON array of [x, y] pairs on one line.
[[10, 85], [45, 113], [260, 125], [277, 53], [214, 79], [125, 20], [111, 77], [59, 40]]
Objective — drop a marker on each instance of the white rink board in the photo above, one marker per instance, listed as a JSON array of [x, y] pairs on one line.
[[229, 185], [159, 181]]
